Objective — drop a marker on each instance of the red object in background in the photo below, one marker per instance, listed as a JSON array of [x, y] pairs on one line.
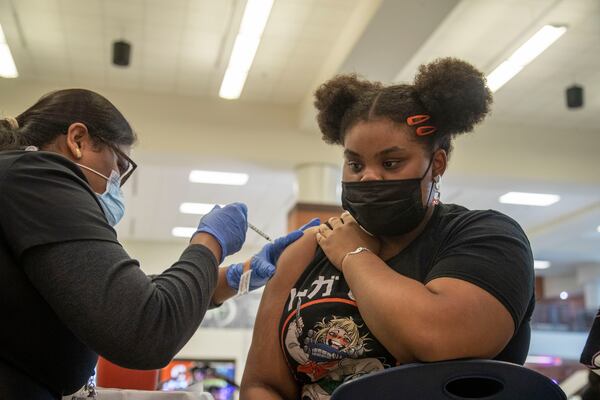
[[176, 375], [109, 375]]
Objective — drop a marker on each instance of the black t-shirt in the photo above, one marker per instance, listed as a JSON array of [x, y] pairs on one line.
[[330, 342], [68, 290]]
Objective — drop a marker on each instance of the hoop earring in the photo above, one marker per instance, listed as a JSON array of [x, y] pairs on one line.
[[436, 188]]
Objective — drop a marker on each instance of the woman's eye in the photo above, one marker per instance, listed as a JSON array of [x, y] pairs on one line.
[[391, 164], [354, 166]]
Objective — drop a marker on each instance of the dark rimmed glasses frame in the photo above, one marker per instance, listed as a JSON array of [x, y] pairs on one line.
[[132, 166]]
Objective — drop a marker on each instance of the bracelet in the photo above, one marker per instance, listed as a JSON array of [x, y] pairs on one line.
[[350, 253]]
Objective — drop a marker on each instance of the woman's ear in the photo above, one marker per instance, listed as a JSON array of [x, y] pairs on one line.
[[440, 162], [78, 139]]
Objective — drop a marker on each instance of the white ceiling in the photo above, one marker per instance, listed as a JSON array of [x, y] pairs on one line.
[[181, 47], [178, 46], [486, 32]]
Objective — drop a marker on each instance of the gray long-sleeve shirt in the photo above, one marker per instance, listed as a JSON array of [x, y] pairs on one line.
[[69, 291]]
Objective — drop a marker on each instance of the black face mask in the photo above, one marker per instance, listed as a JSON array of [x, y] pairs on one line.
[[386, 208]]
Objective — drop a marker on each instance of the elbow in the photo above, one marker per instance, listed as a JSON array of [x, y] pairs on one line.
[[247, 390], [433, 336], [426, 346], [260, 390], [442, 345], [146, 361], [157, 357], [158, 361], [428, 342], [143, 356], [255, 385], [431, 355], [251, 383]]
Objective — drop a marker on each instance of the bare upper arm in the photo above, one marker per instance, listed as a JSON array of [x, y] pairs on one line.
[[472, 313], [267, 374], [294, 260]]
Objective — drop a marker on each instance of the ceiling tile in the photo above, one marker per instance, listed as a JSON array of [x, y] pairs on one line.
[[120, 11], [32, 7], [79, 8], [184, 37]]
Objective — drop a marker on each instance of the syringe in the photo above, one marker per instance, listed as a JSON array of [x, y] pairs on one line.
[[261, 233]]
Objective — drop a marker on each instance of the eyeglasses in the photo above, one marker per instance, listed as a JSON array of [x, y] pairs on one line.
[[125, 164]]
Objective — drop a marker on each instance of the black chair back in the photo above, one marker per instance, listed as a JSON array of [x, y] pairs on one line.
[[452, 380]]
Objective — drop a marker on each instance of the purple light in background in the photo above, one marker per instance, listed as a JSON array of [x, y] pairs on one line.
[[544, 360]]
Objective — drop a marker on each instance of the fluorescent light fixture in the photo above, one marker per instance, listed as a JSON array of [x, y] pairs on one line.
[[219, 178], [564, 295], [185, 232], [529, 199], [243, 53], [539, 264], [525, 54], [598, 229], [233, 84], [8, 69], [256, 15], [195, 208], [502, 74]]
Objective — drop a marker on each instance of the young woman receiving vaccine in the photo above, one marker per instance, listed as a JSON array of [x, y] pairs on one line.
[[399, 277]]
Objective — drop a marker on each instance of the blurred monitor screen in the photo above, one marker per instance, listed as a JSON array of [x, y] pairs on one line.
[[214, 376]]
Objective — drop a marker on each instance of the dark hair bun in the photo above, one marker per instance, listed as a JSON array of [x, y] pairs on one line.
[[334, 98], [454, 93], [9, 123]]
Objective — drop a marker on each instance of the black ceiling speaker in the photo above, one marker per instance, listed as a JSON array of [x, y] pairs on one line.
[[121, 53], [574, 96]]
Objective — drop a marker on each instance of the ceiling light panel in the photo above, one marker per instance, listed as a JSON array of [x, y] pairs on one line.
[[529, 199]]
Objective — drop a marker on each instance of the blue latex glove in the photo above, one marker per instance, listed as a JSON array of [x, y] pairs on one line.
[[263, 263], [228, 225]]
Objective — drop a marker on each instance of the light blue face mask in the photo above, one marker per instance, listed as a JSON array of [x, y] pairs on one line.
[[112, 199]]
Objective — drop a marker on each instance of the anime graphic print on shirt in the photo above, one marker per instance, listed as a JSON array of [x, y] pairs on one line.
[[323, 336]]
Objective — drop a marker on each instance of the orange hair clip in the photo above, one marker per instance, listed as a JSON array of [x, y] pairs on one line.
[[417, 119], [426, 130]]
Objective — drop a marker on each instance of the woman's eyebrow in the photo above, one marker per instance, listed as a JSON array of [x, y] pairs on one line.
[[394, 149], [350, 153]]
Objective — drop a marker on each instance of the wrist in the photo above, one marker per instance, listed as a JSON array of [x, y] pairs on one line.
[[209, 241], [223, 291], [246, 265], [353, 254], [233, 274]]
